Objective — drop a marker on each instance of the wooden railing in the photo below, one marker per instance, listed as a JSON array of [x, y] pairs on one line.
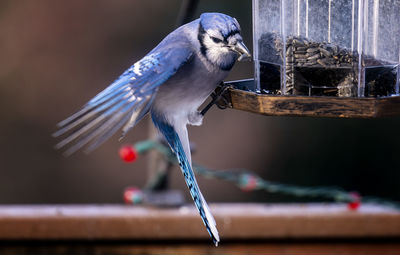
[[244, 229]]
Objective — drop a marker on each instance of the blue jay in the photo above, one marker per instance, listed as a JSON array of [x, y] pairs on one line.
[[170, 83]]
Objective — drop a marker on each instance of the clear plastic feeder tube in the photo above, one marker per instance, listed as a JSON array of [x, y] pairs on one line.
[[343, 48]]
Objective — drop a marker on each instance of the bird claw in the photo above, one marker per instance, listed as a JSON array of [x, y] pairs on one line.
[[218, 98]]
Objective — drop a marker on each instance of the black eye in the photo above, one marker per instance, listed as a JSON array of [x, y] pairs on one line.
[[216, 40]]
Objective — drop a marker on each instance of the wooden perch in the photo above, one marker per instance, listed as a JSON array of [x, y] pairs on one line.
[[312, 106]]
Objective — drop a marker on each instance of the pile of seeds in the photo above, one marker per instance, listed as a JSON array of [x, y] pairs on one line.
[[319, 68]]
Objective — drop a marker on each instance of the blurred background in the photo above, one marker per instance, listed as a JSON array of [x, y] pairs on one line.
[[56, 55]]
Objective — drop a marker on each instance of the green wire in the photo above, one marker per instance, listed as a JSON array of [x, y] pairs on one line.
[[241, 177]]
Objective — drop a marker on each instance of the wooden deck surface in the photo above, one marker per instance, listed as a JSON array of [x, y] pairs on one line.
[[234, 221], [207, 249]]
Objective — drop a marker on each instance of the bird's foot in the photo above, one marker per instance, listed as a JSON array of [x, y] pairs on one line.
[[218, 98], [195, 118]]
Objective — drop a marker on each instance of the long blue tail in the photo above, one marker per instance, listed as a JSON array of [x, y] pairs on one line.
[[174, 141]]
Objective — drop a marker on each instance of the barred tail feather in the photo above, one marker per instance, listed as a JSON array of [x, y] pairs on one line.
[[178, 140]]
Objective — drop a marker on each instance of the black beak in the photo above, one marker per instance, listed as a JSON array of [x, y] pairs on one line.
[[242, 50]]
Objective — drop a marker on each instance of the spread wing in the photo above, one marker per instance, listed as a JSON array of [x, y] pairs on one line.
[[124, 103]]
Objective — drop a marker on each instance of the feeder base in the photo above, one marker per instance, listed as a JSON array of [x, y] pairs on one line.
[[242, 97]]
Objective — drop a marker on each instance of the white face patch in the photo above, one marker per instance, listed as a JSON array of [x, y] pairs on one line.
[[215, 50], [220, 53]]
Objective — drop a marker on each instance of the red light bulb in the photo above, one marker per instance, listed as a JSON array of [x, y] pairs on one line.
[[128, 153]]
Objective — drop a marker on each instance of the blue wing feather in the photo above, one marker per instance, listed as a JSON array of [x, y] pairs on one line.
[[174, 141], [124, 102]]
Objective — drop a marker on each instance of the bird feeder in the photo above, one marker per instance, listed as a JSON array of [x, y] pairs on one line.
[[337, 58]]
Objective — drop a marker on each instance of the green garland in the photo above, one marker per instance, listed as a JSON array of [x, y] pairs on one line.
[[248, 181]]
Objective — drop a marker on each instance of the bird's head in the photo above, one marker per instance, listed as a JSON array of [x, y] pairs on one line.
[[220, 40]]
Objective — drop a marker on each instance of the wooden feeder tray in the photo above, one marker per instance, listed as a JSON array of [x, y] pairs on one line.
[[241, 96]]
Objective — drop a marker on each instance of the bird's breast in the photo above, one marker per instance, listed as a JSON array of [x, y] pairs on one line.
[[187, 89]]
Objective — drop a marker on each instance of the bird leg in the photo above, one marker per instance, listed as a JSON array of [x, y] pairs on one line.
[[195, 118]]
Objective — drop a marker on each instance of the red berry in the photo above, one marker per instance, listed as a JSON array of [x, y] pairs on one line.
[[355, 204], [128, 153]]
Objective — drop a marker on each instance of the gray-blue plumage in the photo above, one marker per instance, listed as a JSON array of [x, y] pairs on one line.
[[171, 82]]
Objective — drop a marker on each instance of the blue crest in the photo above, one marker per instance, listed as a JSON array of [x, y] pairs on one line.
[[218, 21]]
